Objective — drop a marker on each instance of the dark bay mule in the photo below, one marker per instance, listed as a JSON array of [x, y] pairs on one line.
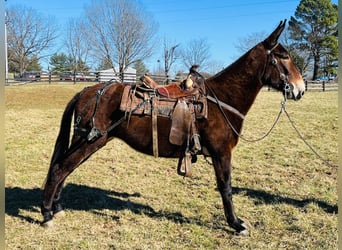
[[268, 63]]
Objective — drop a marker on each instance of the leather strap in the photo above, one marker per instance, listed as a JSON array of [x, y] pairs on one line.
[[154, 127], [226, 106]]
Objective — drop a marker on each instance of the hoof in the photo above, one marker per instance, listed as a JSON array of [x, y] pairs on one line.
[[47, 224], [59, 214], [243, 233]]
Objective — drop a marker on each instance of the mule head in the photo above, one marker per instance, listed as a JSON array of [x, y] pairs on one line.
[[280, 71]]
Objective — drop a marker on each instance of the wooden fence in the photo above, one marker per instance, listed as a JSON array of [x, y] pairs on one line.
[[316, 86], [162, 80], [93, 77], [321, 86]]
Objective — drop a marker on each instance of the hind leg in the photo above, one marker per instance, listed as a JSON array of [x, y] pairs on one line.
[[57, 209], [59, 172]]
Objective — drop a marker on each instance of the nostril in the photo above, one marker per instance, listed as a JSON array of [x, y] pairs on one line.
[[300, 94]]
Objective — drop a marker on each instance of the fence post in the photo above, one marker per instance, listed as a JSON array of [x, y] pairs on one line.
[[323, 85], [306, 85], [49, 77]]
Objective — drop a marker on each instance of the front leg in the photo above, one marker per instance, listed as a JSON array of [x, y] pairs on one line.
[[223, 168]]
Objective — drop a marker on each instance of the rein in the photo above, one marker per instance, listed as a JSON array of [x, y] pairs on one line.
[[282, 109], [222, 105], [303, 139]]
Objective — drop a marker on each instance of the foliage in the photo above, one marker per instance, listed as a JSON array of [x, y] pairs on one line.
[[121, 199], [59, 63], [314, 29], [63, 63], [33, 65], [140, 67]]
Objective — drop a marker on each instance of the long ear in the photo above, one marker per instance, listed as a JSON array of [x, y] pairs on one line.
[[272, 40]]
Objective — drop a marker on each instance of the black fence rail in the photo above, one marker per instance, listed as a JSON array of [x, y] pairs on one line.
[[321, 85], [315, 86]]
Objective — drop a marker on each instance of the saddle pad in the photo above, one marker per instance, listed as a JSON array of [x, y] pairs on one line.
[[140, 103]]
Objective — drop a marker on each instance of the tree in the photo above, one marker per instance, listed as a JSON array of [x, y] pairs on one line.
[[248, 42], [214, 66], [140, 67], [120, 31], [300, 58], [77, 46], [34, 65], [29, 34], [60, 63], [170, 56], [196, 52], [314, 29]]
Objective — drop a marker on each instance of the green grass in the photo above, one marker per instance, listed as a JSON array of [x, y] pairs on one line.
[[121, 199]]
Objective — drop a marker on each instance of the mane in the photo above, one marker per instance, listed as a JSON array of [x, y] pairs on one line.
[[241, 79], [234, 67]]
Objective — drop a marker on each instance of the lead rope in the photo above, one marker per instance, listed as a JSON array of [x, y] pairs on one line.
[[307, 144], [287, 89], [282, 109]]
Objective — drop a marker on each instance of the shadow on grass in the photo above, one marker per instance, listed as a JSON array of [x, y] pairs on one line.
[[85, 198], [262, 197]]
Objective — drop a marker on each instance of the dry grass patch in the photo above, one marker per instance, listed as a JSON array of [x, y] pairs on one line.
[[121, 199]]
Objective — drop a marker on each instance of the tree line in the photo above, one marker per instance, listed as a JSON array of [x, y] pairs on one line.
[[121, 34]]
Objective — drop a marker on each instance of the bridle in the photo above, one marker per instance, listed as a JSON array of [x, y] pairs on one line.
[[287, 89], [282, 76]]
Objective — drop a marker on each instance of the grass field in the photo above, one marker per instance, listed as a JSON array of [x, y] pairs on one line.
[[120, 199]]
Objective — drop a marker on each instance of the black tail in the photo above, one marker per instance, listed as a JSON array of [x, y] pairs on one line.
[[62, 141]]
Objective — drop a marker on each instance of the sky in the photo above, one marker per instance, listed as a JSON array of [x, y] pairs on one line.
[[221, 22]]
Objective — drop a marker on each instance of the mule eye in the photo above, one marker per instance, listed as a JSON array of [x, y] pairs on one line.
[[282, 55]]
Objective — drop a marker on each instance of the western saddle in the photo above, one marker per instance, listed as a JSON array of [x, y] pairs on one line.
[[183, 101]]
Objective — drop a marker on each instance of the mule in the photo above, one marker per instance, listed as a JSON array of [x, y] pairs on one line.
[[236, 87]]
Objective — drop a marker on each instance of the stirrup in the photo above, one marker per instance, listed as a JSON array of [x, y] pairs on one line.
[[184, 165], [196, 147]]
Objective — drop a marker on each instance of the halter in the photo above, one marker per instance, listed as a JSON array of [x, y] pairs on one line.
[[283, 77], [287, 89]]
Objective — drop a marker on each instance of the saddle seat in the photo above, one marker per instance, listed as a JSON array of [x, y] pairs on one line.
[[174, 90]]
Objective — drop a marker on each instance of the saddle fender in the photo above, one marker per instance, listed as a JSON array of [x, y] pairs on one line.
[[181, 123]]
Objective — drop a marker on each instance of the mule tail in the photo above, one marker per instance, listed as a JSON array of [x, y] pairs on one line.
[[62, 141]]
